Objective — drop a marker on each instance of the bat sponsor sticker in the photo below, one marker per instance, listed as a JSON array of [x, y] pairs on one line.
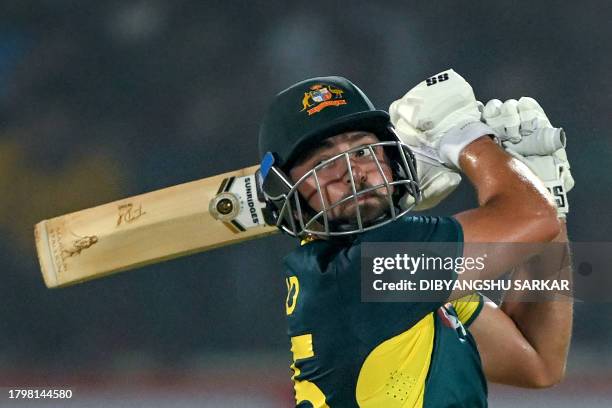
[[237, 204]]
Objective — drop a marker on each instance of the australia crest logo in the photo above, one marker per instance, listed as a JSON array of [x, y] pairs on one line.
[[321, 96]]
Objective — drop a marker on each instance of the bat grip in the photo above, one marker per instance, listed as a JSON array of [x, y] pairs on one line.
[[541, 142]]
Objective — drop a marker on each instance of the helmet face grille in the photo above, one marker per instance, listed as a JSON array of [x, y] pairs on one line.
[[307, 211]]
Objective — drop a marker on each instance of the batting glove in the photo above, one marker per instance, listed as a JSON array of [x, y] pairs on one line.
[[527, 134], [439, 117], [435, 181]]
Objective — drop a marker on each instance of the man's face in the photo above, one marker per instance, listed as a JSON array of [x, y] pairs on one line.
[[335, 181]]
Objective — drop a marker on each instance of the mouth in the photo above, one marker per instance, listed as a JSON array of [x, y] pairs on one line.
[[380, 193], [371, 198], [364, 197], [371, 207]]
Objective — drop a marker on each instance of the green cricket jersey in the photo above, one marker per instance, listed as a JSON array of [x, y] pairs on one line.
[[349, 353]]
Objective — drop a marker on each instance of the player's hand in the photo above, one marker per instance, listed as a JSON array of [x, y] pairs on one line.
[[439, 117], [528, 135], [435, 181]]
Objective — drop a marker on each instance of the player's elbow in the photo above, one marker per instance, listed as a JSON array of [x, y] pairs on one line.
[[537, 219], [547, 378], [543, 373], [545, 224], [530, 219]]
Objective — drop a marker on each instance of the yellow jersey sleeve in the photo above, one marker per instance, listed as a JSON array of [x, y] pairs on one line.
[[468, 307]]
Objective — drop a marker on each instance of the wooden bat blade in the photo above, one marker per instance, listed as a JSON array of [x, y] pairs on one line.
[[150, 228]]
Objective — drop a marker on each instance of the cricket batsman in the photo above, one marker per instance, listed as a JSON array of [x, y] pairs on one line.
[[339, 173]]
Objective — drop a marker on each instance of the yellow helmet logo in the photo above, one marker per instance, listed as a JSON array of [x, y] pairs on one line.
[[321, 96]]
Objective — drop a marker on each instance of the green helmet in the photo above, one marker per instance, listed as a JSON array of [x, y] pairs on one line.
[[298, 119], [315, 109]]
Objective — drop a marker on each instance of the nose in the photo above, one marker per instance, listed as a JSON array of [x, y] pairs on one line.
[[359, 174]]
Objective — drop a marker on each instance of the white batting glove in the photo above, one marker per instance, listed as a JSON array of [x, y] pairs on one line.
[[435, 181], [527, 134], [439, 117]]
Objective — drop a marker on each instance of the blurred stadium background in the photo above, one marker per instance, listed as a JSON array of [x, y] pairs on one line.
[[105, 99]]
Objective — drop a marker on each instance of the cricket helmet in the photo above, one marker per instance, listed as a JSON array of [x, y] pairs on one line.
[[302, 116]]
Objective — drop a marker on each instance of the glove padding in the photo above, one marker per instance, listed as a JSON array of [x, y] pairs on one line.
[[439, 117], [435, 181], [527, 134]]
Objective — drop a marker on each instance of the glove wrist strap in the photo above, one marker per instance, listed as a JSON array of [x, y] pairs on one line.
[[457, 138]]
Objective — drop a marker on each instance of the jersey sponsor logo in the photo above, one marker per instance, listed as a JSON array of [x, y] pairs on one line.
[[321, 96]]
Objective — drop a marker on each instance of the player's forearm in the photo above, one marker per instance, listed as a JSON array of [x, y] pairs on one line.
[[546, 325], [513, 205]]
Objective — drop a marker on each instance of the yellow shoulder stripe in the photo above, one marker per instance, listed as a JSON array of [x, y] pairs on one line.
[[468, 307]]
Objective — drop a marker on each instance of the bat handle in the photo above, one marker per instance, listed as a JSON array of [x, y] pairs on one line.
[[541, 142]]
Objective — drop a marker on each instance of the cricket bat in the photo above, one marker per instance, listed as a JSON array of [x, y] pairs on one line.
[[152, 227]]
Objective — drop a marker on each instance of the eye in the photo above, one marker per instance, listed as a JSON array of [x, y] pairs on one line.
[[363, 152]]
